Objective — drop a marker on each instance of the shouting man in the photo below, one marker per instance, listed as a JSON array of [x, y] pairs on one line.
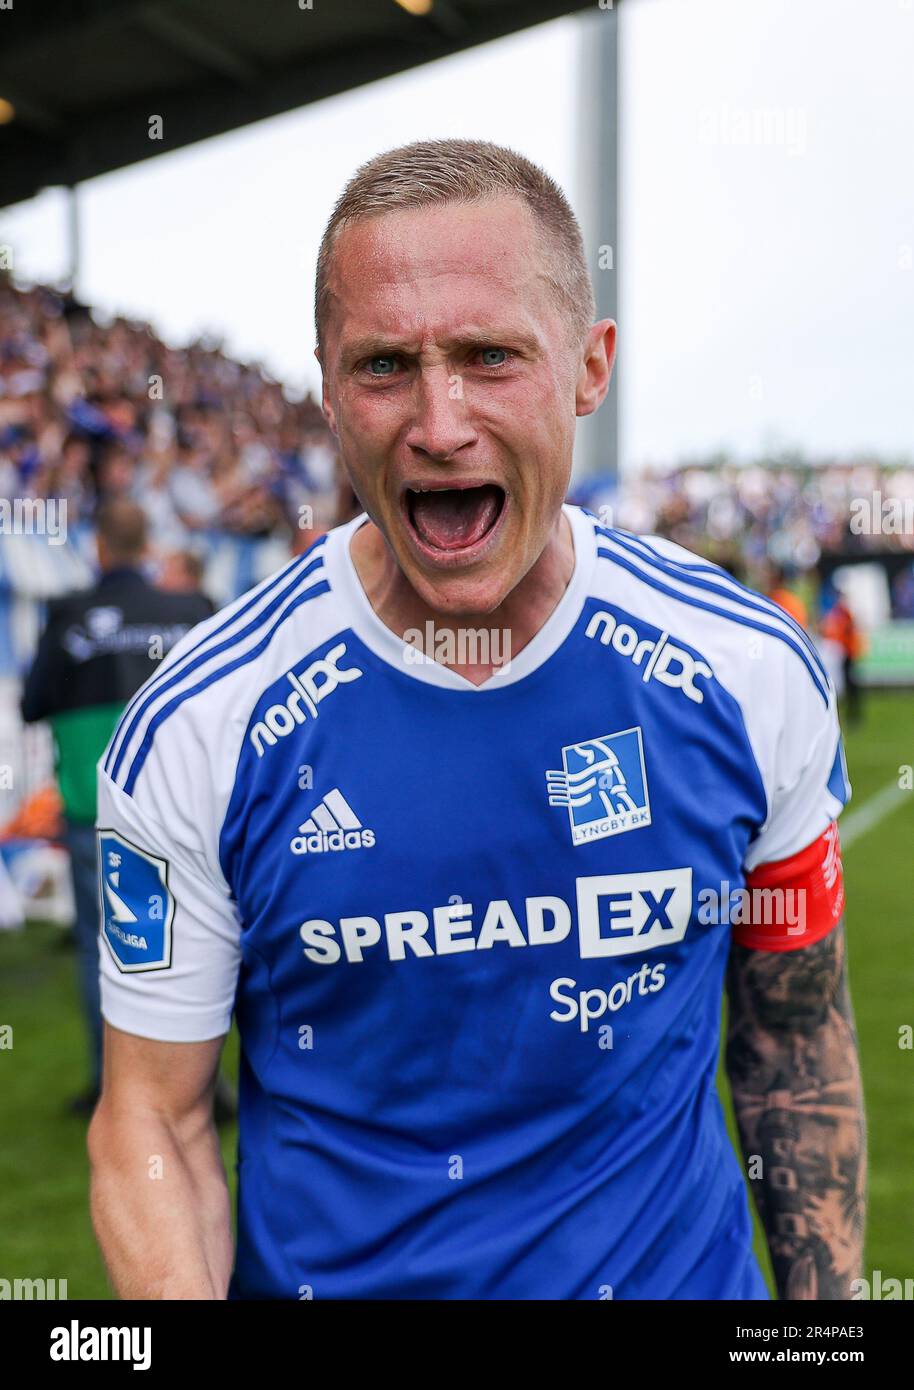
[[467, 814]]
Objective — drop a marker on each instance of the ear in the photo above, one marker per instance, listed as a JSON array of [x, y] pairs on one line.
[[596, 367]]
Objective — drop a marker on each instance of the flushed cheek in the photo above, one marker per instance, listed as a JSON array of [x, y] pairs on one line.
[[371, 419], [365, 451], [538, 487]]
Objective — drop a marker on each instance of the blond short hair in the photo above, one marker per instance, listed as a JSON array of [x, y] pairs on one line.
[[429, 172]]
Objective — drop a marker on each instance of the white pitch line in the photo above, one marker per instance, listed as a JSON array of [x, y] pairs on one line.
[[863, 818]]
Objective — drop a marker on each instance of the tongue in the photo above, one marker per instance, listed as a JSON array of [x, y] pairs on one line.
[[455, 518]]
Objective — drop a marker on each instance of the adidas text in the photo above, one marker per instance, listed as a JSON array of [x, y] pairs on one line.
[[319, 841]]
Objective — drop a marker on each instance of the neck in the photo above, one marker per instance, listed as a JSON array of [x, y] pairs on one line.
[[473, 645], [119, 568]]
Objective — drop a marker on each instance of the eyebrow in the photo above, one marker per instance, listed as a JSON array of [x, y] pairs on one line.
[[376, 345]]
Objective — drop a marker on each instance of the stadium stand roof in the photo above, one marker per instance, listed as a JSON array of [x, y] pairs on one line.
[[83, 77]]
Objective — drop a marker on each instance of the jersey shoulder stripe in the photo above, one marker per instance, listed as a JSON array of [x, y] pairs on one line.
[[730, 587], [727, 585], [311, 591], [627, 560], [232, 629]]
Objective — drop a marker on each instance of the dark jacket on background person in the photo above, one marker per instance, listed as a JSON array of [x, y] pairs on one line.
[[98, 648]]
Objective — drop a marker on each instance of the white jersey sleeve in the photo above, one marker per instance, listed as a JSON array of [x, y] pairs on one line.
[[169, 942], [171, 929], [807, 782], [169, 947]]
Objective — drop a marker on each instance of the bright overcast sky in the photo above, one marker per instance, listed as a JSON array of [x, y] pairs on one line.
[[767, 220]]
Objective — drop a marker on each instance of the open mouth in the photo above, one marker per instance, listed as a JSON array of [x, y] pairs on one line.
[[453, 519]]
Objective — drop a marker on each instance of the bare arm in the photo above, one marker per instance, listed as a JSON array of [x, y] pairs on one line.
[[160, 1203], [794, 1072]]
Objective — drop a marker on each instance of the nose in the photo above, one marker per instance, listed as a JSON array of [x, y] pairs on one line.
[[441, 424]]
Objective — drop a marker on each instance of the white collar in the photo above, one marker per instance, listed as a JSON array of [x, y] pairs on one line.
[[385, 643]]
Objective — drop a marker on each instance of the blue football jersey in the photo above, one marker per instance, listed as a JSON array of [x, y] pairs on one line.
[[463, 929]]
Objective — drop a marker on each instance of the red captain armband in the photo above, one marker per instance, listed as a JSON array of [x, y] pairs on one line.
[[794, 902]]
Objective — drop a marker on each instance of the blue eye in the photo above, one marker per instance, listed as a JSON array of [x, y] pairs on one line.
[[387, 365], [487, 354]]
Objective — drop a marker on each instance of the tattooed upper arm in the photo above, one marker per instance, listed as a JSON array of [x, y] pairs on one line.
[[788, 989]]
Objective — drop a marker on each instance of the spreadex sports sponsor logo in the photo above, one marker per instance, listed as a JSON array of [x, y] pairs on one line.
[[314, 684], [666, 663], [613, 914], [590, 1004]]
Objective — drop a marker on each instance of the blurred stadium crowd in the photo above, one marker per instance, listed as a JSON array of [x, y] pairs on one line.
[[759, 520], [90, 411], [231, 474]]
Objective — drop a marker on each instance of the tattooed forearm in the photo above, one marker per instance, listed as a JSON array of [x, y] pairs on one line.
[[794, 1073]]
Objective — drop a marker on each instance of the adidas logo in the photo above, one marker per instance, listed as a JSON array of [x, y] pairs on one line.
[[332, 825]]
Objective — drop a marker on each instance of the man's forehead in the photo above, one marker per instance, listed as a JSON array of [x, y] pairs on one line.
[[406, 269], [476, 234]]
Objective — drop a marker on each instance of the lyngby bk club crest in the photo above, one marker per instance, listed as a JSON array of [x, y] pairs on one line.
[[603, 784]]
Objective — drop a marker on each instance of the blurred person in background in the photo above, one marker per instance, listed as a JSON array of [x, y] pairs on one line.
[[903, 594], [319, 459], [68, 475], [98, 648], [839, 625], [116, 472], [193, 495], [181, 572], [779, 592]]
